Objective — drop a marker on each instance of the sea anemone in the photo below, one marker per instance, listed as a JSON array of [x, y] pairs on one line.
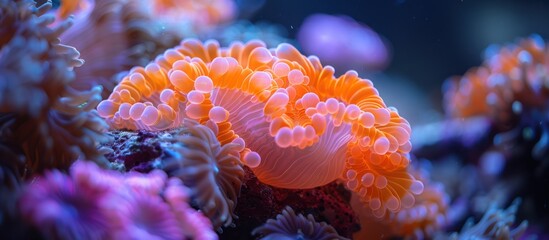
[[297, 126], [101, 39], [495, 224], [512, 78], [426, 218], [90, 175], [61, 208], [113, 36], [194, 223], [153, 182], [59, 124], [288, 225], [510, 89], [93, 203], [213, 172], [428, 215], [27, 41], [147, 216]]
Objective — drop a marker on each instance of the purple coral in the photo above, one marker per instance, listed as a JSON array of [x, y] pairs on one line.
[[288, 226], [92, 203], [63, 209], [147, 216], [342, 42], [196, 225], [152, 182]]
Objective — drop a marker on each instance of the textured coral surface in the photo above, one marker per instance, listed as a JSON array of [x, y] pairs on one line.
[[299, 125], [196, 119]]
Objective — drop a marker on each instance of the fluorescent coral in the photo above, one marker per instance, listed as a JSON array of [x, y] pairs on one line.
[[92, 203], [288, 225], [148, 217], [194, 223], [424, 220], [213, 172], [428, 215], [65, 209], [509, 91], [59, 124], [208, 139], [298, 125], [512, 78]]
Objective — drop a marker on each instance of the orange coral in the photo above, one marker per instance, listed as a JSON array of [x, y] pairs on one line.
[[297, 125], [508, 79], [424, 220], [427, 216]]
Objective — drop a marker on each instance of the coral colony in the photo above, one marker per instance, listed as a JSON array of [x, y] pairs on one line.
[[127, 119]]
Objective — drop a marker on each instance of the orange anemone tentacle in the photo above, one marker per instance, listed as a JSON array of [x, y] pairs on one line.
[[296, 124]]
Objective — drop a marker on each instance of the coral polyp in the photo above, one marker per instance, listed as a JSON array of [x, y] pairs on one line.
[[289, 225], [213, 172], [93, 203], [297, 125], [512, 77]]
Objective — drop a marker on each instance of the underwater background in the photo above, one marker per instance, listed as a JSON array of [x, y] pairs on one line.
[[256, 119]]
